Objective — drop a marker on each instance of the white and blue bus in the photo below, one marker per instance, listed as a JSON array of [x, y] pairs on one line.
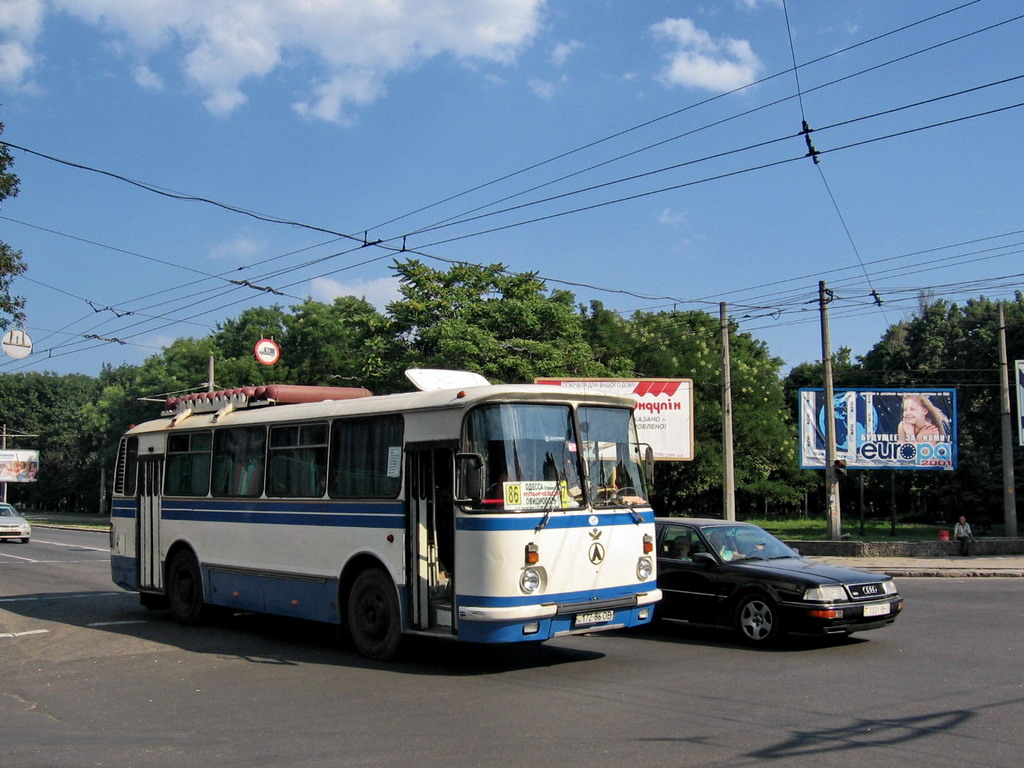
[[489, 514]]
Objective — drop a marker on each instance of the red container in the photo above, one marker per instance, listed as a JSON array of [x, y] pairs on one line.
[[943, 535]]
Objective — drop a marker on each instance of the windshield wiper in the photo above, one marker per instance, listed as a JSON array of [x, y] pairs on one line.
[[547, 517]]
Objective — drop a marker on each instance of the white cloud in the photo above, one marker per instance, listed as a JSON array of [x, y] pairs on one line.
[[15, 65], [146, 78], [670, 218], [701, 61], [353, 46], [379, 292], [561, 52], [547, 89], [237, 248], [21, 21]]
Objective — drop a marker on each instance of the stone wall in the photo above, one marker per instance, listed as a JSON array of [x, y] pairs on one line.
[[849, 548]]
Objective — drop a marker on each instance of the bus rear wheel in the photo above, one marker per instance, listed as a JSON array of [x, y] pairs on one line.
[[373, 615], [185, 589]]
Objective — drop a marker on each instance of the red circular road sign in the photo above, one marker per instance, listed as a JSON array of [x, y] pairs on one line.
[[267, 351]]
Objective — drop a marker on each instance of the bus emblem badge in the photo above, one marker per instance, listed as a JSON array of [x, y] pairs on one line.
[[596, 554], [595, 534]]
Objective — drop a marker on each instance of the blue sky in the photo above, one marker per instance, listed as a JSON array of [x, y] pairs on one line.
[[643, 153]]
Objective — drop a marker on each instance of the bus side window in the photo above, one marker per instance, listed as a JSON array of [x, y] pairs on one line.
[[238, 456], [188, 464], [297, 465], [366, 458]]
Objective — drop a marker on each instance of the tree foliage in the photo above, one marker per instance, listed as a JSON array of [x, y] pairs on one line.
[[511, 328], [12, 308]]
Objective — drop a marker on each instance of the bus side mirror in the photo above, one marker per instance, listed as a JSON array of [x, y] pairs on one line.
[[469, 473], [648, 464]]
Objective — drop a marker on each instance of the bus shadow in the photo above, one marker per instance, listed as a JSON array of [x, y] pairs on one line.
[[266, 639]]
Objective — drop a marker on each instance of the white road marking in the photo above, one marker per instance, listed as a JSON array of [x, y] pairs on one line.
[[58, 597], [116, 623], [22, 634]]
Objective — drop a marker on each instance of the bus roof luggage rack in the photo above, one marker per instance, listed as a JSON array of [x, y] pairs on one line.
[[251, 397]]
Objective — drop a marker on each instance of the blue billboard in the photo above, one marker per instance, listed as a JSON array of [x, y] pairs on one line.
[[881, 428]]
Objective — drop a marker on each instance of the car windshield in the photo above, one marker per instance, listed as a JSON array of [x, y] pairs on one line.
[[6, 510], [745, 542]]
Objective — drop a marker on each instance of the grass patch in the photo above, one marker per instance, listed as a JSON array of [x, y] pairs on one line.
[[874, 530]]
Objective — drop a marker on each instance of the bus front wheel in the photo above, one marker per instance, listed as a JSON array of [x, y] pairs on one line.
[[373, 615], [185, 589]]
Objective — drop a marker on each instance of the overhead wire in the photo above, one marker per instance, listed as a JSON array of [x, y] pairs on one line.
[[364, 242]]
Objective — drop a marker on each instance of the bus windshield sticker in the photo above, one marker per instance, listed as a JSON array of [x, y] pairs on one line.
[[536, 494]]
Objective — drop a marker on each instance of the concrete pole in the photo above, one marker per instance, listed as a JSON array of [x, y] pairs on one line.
[[831, 476], [1009, 496], [728, 473]]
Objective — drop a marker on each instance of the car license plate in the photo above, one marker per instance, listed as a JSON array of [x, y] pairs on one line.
[[595, 617], [876, 610]]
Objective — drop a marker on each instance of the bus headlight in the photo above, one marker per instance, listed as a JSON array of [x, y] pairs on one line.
[[529, 582], [644, 568]]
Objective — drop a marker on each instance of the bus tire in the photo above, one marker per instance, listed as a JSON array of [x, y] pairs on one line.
[[185, 589], [374, 623]]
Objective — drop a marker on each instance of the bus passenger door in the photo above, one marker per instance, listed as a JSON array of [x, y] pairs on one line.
[[148, 542], [431, 537]]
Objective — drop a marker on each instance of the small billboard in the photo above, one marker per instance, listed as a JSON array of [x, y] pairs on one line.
[[881, 428], [18, 466], [664, 410]]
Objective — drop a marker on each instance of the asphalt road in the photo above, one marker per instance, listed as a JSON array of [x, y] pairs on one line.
[[89, 678]]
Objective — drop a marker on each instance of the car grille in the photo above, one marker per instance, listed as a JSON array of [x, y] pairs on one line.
[[866, 591]]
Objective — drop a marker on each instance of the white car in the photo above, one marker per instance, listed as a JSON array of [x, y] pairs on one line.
[[13, 525]]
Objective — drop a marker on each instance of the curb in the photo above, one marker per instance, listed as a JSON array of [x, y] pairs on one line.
[[954, 573]]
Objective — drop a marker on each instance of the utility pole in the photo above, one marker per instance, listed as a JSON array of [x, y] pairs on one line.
[[831, 475], [728, 474], [1009, 498]]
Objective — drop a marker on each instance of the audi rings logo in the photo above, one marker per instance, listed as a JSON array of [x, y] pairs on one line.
[[596, 553]]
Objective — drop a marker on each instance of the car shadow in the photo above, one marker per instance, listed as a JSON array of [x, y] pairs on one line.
[[708, 635]]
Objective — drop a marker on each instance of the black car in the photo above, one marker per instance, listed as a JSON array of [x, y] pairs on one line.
[[739, 575]]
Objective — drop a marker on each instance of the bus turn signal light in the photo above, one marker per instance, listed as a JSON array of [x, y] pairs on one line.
[[532, 555]]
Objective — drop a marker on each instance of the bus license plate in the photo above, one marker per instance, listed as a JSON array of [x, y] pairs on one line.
[[595, 617], [876, 610]]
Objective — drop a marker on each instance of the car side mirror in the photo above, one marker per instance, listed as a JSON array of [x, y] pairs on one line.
[[704, 557]]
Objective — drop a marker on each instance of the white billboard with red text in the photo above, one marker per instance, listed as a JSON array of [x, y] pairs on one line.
[[664, 410]]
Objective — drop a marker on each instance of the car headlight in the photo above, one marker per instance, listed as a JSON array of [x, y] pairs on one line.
[[529, 582], [889, 586], [825, 594], [644, 568]]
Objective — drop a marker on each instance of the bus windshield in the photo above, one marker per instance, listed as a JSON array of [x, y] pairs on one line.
[[533, 458], [612, 453]]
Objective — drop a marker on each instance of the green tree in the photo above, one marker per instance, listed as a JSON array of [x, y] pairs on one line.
[[337, 344], [505, 327], [12, 308], [948, 345], [53, 408], [688, 345]]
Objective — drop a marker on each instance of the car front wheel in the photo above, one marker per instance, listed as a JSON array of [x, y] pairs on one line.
[[757, 619]]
